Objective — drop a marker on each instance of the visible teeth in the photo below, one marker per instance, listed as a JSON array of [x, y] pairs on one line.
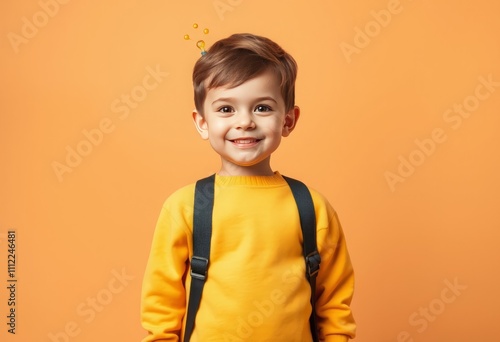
[[244, 141]]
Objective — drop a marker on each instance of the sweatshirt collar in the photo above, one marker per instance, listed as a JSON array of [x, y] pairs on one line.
[[275, 179]]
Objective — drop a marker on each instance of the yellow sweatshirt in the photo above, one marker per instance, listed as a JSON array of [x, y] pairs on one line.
[[256, 288]]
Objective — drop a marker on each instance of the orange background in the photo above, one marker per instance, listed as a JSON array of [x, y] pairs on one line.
[[362, 112]]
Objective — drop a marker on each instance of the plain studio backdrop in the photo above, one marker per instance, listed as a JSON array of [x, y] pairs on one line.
[[399, 130]]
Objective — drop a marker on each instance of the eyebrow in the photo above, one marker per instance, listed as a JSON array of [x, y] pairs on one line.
[[232, 99]]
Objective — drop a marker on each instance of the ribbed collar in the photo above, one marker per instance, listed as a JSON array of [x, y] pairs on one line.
[[273, 180]]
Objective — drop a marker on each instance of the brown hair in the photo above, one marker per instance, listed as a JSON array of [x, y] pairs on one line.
[[239, 58]]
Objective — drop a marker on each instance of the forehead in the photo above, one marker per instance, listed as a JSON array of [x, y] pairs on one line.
[[265, 84]]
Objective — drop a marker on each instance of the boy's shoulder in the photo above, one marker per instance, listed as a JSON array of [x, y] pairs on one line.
[[181, 197], [321, 202], [317, 196]]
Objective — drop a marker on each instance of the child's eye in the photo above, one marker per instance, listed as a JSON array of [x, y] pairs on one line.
[[263, 108], [225, 109]]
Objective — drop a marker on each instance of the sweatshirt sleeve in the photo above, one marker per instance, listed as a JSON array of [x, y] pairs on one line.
[[335, 280], [163, 301]]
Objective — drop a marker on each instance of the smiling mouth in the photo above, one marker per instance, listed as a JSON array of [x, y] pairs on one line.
[[247, 141]]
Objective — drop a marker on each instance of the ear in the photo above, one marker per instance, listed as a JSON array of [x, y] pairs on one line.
[[200, 124], [291, 119]]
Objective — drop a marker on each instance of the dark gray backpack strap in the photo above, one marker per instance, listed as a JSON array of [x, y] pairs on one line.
[[202, 234], [307, 216]]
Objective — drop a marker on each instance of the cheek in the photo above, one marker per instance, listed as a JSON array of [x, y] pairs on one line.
[[275, 127], [217, 129]]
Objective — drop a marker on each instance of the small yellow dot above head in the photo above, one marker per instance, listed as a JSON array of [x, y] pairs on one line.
[[205, 31], [186, 37], [195, 25]]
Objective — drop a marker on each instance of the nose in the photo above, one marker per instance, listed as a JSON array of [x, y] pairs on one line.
[[245, 120]]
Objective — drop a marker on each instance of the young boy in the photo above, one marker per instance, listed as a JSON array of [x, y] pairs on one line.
[[256, 288]]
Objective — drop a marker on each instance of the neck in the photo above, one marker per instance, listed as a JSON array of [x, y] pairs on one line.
[[261, 169]]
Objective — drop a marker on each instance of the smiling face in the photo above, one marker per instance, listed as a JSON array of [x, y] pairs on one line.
[[244, 124]]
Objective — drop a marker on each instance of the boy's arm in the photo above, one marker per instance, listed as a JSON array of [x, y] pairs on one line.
[[163, 292], [335, 282]]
